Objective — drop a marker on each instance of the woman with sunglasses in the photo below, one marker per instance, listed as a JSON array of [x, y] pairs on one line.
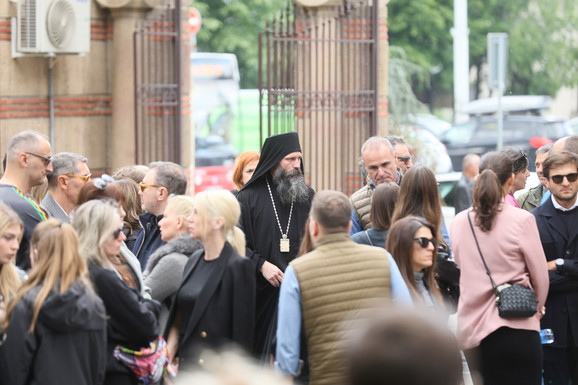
[[55, 324], [412, 244], [215, 303], [503, 351], [132, 319], [521, 173], [127, 265]]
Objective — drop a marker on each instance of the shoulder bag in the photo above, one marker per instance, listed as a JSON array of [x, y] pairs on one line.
[[513, 301]]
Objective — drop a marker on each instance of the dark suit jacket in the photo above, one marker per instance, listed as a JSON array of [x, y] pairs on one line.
[[224, 312], [562, 302], [463, 194]]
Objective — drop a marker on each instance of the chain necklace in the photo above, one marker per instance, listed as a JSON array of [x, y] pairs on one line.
[[284, 241]]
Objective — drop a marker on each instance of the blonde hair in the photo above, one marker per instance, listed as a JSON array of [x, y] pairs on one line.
[[221, 204], [183, 206], [59, 264], [95, 221], [9, 279]]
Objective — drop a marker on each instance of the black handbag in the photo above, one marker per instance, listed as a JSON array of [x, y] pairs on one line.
[[513, 301]]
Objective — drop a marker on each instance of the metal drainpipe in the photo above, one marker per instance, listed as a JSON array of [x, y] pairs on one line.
[[51, 61]]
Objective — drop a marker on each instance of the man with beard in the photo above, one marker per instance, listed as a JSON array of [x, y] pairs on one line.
[[275, 205], [556, 219]]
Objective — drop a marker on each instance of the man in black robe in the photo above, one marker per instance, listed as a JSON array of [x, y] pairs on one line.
[[275, 205]]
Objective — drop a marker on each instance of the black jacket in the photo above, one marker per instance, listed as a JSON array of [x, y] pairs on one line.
[[148, 239], [68, 345], [225, 311], [562, 302], [132, 319]]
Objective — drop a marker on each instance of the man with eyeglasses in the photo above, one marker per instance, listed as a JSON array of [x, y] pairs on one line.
[[557, 220], [378, 160], [162, 180], [403, 158], [28, 160], [69, 173]]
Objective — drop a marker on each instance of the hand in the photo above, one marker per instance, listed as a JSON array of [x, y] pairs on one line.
[[172, 370], [552, 265], [542, 312], [272, 274]]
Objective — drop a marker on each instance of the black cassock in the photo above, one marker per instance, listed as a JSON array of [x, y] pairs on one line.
[[263, 236]]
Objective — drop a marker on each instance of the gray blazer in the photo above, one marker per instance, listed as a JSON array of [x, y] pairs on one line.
[[53, 209]]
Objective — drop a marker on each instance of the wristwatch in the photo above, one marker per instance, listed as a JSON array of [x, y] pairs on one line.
[[559, 264]]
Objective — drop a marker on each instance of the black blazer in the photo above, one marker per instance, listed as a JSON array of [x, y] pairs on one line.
[[225, 311], [562, 302]]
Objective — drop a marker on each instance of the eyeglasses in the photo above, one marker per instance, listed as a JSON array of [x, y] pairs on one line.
[[100, 183], [560, 178], [45, 159], [116, 233], [424, 242], [144, 186], [404, 159], [84, 178]]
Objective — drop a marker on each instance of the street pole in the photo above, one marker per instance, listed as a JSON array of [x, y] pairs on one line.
[[460, 34]]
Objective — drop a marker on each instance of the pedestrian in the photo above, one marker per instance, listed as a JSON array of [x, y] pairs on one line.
[[164, 270], [215, 303], [11, 277], [501, 350], [275, 204], [131, 319], [55, 324], [132, 208], [245, 166], [521, 173]]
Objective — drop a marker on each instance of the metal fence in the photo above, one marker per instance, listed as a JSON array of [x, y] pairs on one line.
[[318, 77], [158, 80]]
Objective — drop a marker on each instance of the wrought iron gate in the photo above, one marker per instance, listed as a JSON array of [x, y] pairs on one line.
[[318, 76], [158, 80]]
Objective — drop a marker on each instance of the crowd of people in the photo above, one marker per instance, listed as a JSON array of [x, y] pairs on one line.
[[107, 272]]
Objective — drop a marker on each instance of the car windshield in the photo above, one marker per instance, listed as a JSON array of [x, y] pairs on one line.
[[461, 133]]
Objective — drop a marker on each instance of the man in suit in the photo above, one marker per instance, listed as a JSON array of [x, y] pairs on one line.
[[463, 193], [69, 173], [556, 219]]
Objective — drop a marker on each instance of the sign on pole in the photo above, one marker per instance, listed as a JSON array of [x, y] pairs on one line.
[[498, 64], [195, 21]]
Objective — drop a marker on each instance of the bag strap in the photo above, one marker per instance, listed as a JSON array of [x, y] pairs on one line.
[[480, 251], [369, 239]]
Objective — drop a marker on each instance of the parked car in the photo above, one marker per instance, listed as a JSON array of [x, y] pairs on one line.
[[479, 135], [213, 150], [432, 123], [429, 151]]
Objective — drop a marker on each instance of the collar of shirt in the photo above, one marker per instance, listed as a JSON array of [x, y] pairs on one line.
[[558, 207]]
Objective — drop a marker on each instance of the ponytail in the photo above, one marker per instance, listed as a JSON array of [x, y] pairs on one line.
[[487, 196], [236, 238]]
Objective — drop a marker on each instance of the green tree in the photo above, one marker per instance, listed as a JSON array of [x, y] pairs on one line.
[[234, 26]]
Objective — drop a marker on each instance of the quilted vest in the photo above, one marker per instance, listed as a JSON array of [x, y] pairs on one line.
[[339, 281], [361, 202]]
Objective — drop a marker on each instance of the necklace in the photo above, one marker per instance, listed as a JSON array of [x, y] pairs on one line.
[[284, 241]]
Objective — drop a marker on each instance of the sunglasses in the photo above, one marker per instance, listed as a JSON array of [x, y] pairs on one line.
[[100, 183], [424, 242], [84, 178], [560, 178], [404, 159], [45, 159], [143, 186], [116, 233]]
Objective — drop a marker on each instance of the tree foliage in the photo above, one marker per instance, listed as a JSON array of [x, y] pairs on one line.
[[234, 26], [543, 43]]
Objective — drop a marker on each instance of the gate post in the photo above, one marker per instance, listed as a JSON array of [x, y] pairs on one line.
[[382, 66], [121, 136]]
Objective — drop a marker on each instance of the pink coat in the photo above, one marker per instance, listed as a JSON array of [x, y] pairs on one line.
[[513, 253]]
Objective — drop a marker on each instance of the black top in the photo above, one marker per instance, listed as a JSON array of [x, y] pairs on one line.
[[192, 288], [68, 345]]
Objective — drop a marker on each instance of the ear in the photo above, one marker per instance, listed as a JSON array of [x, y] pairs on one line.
[[62, 182], [511, 180], [162, 194], [181, 223], [218, 223], [313, 228], [22, 160]]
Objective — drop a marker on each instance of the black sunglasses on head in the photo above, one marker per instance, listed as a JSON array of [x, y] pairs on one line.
[[404, 159], [424, 242], [560, 178]]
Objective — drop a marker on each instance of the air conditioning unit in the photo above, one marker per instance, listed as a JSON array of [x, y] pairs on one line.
[[53, 26]]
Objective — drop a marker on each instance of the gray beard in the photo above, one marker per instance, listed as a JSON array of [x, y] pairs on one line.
[[291, 186]]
